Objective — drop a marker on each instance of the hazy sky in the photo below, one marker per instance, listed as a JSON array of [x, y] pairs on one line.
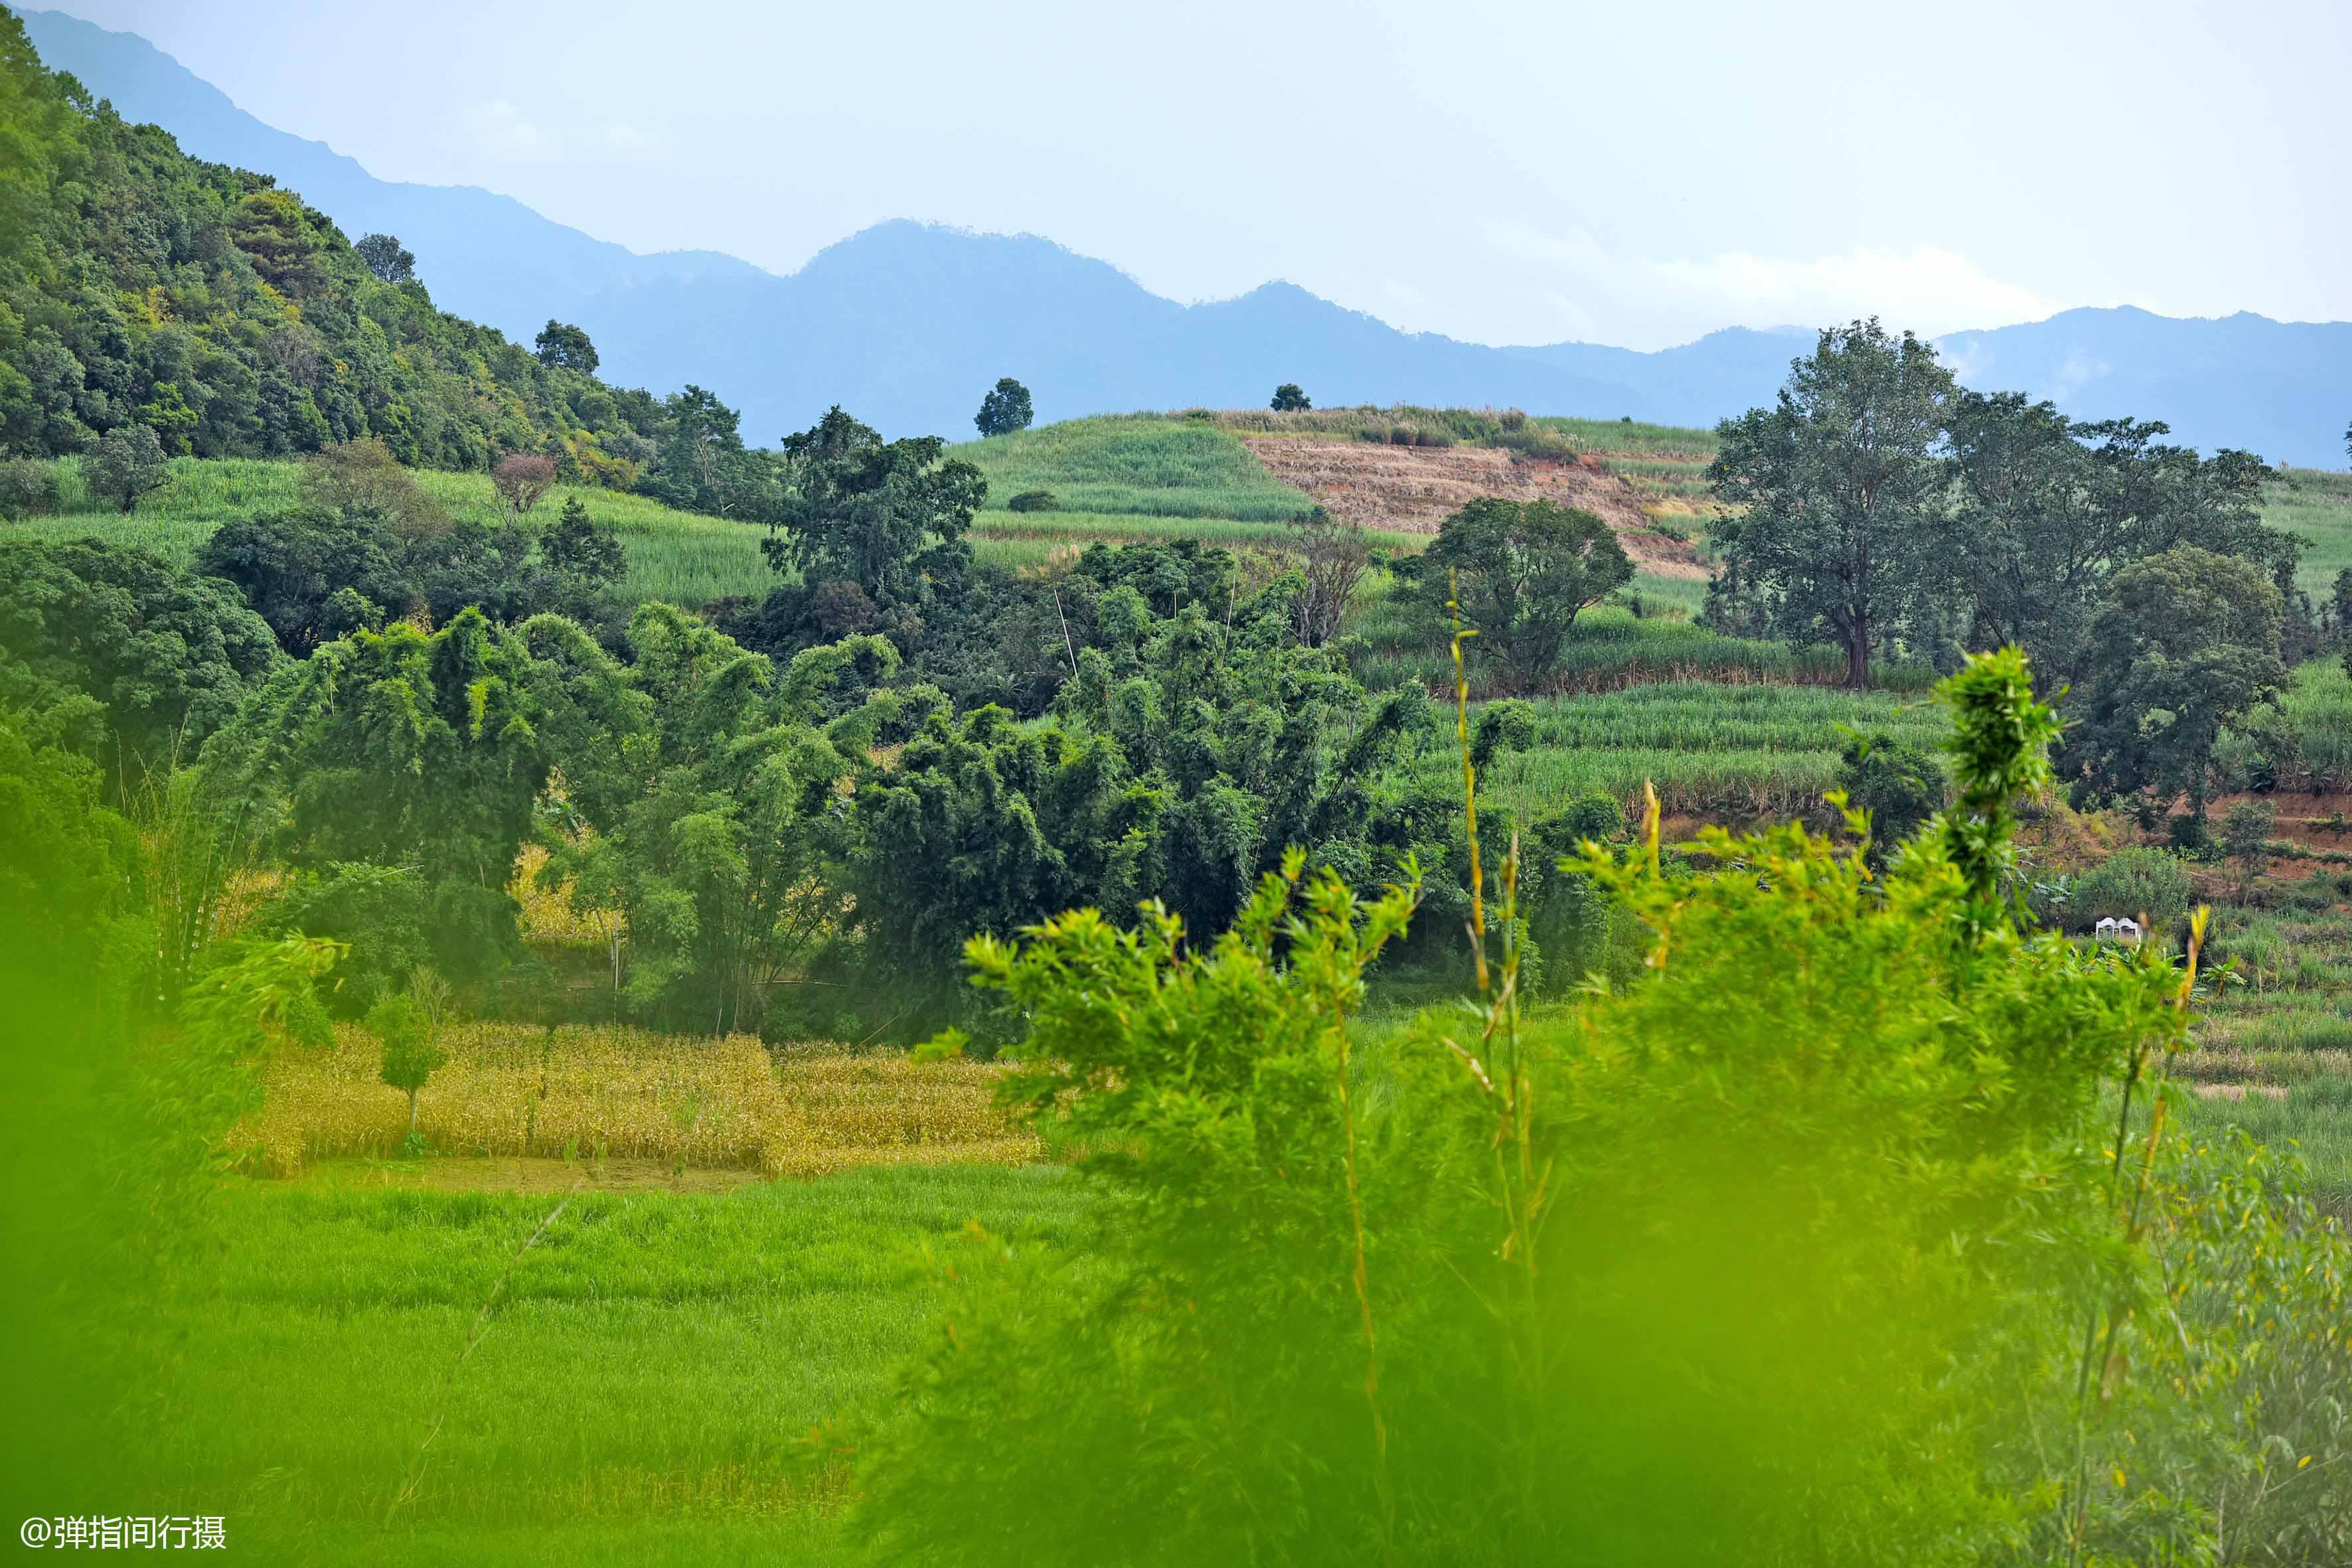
[[1633, 174]]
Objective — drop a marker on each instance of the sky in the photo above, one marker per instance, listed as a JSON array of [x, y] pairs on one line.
[[1504, 174]]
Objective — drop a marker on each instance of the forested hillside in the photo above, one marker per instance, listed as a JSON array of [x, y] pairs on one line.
[[139, 287]]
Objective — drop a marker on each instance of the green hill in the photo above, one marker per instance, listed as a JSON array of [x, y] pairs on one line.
[[140, 286]]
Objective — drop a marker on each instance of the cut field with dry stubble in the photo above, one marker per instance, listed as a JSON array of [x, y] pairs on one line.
[[574, 1091]]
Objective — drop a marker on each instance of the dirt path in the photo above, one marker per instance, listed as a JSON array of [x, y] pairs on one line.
[[1412, 489]]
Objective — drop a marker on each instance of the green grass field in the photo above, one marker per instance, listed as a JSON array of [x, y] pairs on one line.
[[643, 1380], [1708, 747], [1145, 465], [2317, 504], [677, 556]]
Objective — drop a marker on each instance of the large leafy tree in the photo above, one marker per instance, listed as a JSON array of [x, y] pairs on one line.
[[2047, 509], [2186, 642], [703, 465], [881, 514], [1838, 488], [1005, 409], [561, 344], [1521, 572], [166, 656]]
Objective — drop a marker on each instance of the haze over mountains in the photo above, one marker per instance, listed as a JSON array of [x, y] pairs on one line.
[[906, 324]]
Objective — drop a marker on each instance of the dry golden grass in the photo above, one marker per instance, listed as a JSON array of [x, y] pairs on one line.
[[548, 916], [579, 1091]]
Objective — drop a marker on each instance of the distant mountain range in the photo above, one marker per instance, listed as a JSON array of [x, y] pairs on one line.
[[907, 325]]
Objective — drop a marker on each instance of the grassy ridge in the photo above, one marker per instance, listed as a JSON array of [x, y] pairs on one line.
[[678, 556], [1146, 464]]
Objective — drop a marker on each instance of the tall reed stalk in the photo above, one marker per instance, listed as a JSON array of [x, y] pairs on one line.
[[1521, 1179]]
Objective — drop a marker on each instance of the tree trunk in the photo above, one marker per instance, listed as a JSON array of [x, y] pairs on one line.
[[412, 1113], [1857, 656]]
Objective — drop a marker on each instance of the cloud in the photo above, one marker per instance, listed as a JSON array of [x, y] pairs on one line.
[[1647, 301], [1927, 288], [632, 142], [504, 131]]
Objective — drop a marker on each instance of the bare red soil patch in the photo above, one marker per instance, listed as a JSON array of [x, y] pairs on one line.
[[1412, 489]]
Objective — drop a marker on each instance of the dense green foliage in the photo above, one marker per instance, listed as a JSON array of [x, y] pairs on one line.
[[2185, 645], [2049, 512], [879, 516], [138, 660], [1837, 483], [143, 290], [424, 752], [1519, 574], [1784, 1254]]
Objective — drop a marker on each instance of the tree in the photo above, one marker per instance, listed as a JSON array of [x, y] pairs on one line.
[[1288, 398], [579, 549], [362, 477], [701, 465], [1522, 571], [1837, 489], [387, 257], [2246, 837], [410, 1024], [405, 749], [521, 480], [312, 575], [2186, 643], [1333, 556], [128, 463], [717, 850], [878, 513], [561, 345], [1004, 410], [2047, 509], [163, 656]]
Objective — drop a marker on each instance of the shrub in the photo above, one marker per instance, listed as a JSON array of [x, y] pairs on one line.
[[1031, 501], [2135, 882], [28, 488], [1713, 1270]]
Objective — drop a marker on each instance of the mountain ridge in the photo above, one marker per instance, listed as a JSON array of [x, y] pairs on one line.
[[906, 323]]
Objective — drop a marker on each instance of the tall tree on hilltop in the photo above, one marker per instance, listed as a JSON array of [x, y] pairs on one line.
[[1004, 410], [387, 257], [1839, 487], [561, 344]]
